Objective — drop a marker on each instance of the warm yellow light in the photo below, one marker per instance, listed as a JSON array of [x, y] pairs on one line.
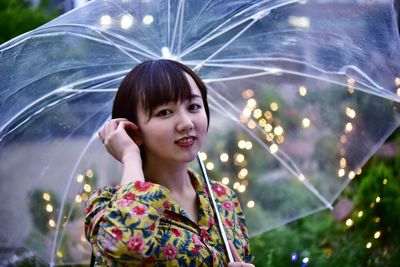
[[377, 234], [250, 204], [302, 90], [52, 223], [105, 20], [301, 177], [369, 245], [341, 172], [351, 81], [247, 93], [305, 123], [236, 185], [87, 188], [210, 166], [273, 148], [243, 173], [342, 163], [377, 199], [262, 122], [280, 139], [274, 106], [268, 128], [359, 171], [352, 175], [397, 81], [241, 188], [243, 118], [377, 219], [343, 139], [59, 254], [385, 181], [360, 214], [89, 173], [224, 157], [351, 113], [239, 158], [126, 21], [46, 196], [269, 137], [203, 156], [225, 180], [372, 205], [349, 127], [349, 222], [49, 208], [84, 197], [148, 19], [242, 144], [78, 199], [249, 145], [342, 152], [268, 115], [251, 124], [79, 178], [251, 103], [257, 113], [247, 112], [278, 130]]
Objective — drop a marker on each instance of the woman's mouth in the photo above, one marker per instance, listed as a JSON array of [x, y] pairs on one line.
[[186, 141]]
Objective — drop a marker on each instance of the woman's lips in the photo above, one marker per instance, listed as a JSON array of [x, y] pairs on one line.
[[186, 141]]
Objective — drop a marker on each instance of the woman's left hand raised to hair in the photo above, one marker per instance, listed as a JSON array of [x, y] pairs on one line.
[[237, 260]]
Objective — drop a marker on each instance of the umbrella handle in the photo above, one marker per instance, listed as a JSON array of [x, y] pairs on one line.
[[215, 208]]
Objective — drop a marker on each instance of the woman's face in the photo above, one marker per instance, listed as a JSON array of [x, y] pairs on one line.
[[175, 131]]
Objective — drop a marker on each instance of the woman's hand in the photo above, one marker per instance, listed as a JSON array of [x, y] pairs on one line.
[[237, 260], [121, 138]]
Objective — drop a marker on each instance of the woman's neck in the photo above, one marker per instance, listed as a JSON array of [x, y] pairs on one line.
[[173, 176]]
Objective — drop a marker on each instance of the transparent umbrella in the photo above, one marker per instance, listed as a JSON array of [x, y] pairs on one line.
[[302, 93]]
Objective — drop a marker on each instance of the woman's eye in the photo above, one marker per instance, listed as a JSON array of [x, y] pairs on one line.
[[164, 112], [194, 107]]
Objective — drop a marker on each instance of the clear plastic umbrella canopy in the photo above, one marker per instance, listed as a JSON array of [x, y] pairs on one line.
[[302, 93]]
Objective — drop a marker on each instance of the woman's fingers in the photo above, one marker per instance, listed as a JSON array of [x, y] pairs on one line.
[[235, 255]]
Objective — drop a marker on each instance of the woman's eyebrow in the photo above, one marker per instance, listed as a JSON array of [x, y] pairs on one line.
[[196, 96]]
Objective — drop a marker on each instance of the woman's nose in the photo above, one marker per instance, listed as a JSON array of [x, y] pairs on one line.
[[185, 123]]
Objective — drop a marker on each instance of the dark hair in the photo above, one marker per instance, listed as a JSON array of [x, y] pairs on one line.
[[154, 83]]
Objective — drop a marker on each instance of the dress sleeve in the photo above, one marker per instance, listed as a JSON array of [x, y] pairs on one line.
[[121, 223]]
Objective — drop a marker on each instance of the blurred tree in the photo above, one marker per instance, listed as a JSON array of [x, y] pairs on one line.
[[19, 16]]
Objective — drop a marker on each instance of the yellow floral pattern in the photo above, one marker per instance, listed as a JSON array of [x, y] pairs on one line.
[[140, 224]]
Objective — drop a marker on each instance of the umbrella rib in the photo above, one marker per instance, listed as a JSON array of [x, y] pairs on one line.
[[176, 25]]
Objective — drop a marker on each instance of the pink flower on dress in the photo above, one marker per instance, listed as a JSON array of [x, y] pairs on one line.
[[124, 202], [130, 196], [117, 233], [219, 189], [167, 205], [176, 232], [205, 236], [140, 211], [142, 186], [228, 223], [196, 240], [170, 252], [195, 251], [135, 243], [227, 205]]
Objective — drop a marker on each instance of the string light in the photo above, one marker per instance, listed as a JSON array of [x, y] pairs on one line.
[[239, 158], [359, 171], [236, 185], [126, 21], [385, 181], [342, 163], [243, 173], [378, 199], [148, 19], [305, 123], [203, 156], [377, 219], [59, 254], [89, 173], [349, 222], [302, 90], [87, 188], [360, 214], [268, 128], [251, 124], [52, 223], [247, 93], [351, 113], [280, 139], [105, 20], [242, 144], [268, 114], [274, 106], [46, 196], [210, 166], [343, 139], [49, 208], [79, 178], [224, 157], [349, 127], [225, 180], [369, 245], [278, 130], [301, 177], [269, 137], [249, 145], [341, 172], [262, 122], [273, 148], [352, 175], [257, 113], [397, 81], [84, 197], [377, 234], [251, 103], [78, 198], [250, 204], [241, 188]]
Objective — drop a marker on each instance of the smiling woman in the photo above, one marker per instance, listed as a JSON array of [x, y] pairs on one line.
[[161, 212]]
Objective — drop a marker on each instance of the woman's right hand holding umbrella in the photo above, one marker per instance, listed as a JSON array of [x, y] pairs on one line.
[[122, 139], [237, 260]]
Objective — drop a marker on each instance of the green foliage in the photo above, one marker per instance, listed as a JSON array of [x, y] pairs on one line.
[[17, 17], [330, 243]]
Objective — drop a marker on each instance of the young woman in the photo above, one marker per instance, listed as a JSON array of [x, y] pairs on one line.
[[160, 214]]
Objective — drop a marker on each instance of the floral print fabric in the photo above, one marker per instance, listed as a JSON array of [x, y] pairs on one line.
[[140, 224]]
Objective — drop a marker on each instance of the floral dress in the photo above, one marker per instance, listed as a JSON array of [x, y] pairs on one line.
[[140, 224]]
